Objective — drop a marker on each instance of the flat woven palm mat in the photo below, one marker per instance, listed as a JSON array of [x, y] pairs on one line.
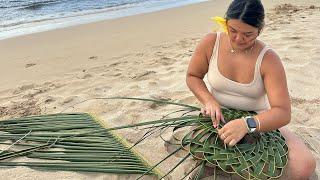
[[76, 141]]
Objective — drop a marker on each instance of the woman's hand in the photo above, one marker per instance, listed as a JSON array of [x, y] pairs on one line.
[[232, 132], [213, 110]]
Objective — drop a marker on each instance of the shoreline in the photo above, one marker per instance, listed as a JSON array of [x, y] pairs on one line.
[[86, 17]]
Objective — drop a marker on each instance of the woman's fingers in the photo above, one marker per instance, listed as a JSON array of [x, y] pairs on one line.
[[206, 111], [213, 118], [220, 131], [203, 111], [209, 113], [232, 142], [227, 139], [222, 118], [223, 134], [214, 113], [218, 116]]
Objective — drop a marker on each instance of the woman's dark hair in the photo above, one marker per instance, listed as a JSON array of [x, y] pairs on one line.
[[248, 11]]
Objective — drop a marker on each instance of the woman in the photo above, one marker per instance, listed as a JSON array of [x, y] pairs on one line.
[[244, 73]]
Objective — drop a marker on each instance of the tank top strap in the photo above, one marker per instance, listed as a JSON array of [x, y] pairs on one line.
[[215, 48], [259, 60]]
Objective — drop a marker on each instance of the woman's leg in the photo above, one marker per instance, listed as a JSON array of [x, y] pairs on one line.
[[301, 162]]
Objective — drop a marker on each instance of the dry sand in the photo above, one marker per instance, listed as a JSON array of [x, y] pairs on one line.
[[147, 56]]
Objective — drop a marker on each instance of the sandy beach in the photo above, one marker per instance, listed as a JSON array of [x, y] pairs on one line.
[[147, 56]]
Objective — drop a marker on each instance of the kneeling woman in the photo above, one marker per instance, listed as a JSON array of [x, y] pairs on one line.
[[244, 73]]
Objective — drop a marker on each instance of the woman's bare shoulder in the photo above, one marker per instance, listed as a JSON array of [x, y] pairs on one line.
[[209, 38], [207, 43], [271, 62]]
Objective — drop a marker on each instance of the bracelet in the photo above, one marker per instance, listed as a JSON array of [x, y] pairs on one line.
[[258, 120], [245, 121]]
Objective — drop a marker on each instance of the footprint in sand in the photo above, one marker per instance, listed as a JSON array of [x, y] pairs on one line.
[[134, 87], [48, 99], [167, 61], [102, 89], [30, 65], [165, 46], [297, 46], [69, 100], [170, 68], [293, 38], [114, 64], [155, 105], [141, 75], [159, 53], [153, 83], [184, 43], [93, 57], [139, 54], [105, 74], [85, 76], [116, 74]]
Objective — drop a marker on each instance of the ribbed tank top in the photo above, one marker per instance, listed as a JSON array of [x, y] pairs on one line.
[[232, 94]]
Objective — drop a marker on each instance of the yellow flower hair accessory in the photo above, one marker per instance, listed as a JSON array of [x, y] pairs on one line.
[[222, 22]]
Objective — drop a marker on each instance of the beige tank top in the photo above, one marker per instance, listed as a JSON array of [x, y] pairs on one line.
[[229, 93]]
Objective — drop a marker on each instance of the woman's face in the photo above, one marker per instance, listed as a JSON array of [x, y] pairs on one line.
[[241, 35]]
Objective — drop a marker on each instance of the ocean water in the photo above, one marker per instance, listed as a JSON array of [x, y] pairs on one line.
[[18, 17]]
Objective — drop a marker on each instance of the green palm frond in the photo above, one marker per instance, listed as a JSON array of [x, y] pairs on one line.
[[75, 141], [78, 143]]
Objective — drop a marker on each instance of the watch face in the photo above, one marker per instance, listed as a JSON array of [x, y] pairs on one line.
[[251, 122]]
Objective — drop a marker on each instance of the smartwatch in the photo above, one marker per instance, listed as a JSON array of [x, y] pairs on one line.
[[251, 124]]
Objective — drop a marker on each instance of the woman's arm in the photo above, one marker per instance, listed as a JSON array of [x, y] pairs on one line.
[[198, 67], [275, 83]]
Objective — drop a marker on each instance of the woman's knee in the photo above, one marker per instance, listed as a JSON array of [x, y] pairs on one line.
[[301, 161], [302, 167]]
